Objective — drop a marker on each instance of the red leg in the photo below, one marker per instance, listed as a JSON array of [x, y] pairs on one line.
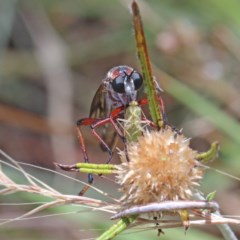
[[144, 101], [149, 122], [85, 121], [95, 133], [73, 167], [165, 121], [94, 123], [111, 119]]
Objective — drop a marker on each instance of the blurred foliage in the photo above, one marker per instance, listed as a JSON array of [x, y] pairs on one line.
[[195, 42]]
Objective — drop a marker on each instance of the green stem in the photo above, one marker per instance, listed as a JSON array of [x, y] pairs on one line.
[[117, 228], [210, 155], [96, 168]]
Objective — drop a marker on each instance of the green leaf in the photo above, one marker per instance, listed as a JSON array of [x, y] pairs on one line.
[[211, 196]]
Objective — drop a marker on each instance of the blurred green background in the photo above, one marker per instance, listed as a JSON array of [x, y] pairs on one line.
[[53, 56]]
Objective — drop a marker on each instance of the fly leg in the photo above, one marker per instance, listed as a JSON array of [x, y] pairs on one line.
[[114, 114], [103, 143], [144, 101], [121, 135], [111, 119], [74, 167], [85, 156], [93, 123]]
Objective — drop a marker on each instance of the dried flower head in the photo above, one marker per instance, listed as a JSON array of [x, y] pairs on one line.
[[162, 167]]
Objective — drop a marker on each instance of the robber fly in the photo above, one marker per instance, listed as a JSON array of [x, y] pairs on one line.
[[119, 88]]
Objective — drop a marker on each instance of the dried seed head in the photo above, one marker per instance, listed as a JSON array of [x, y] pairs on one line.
[[162, 167]]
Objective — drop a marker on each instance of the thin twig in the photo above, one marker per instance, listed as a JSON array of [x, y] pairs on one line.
[[166, 206], [225, 229]]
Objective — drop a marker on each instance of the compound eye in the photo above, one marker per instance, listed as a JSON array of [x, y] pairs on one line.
[[118, 84], [137, 80]]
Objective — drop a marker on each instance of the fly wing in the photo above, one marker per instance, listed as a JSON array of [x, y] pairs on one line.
[[99, 110], [98, 106]]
